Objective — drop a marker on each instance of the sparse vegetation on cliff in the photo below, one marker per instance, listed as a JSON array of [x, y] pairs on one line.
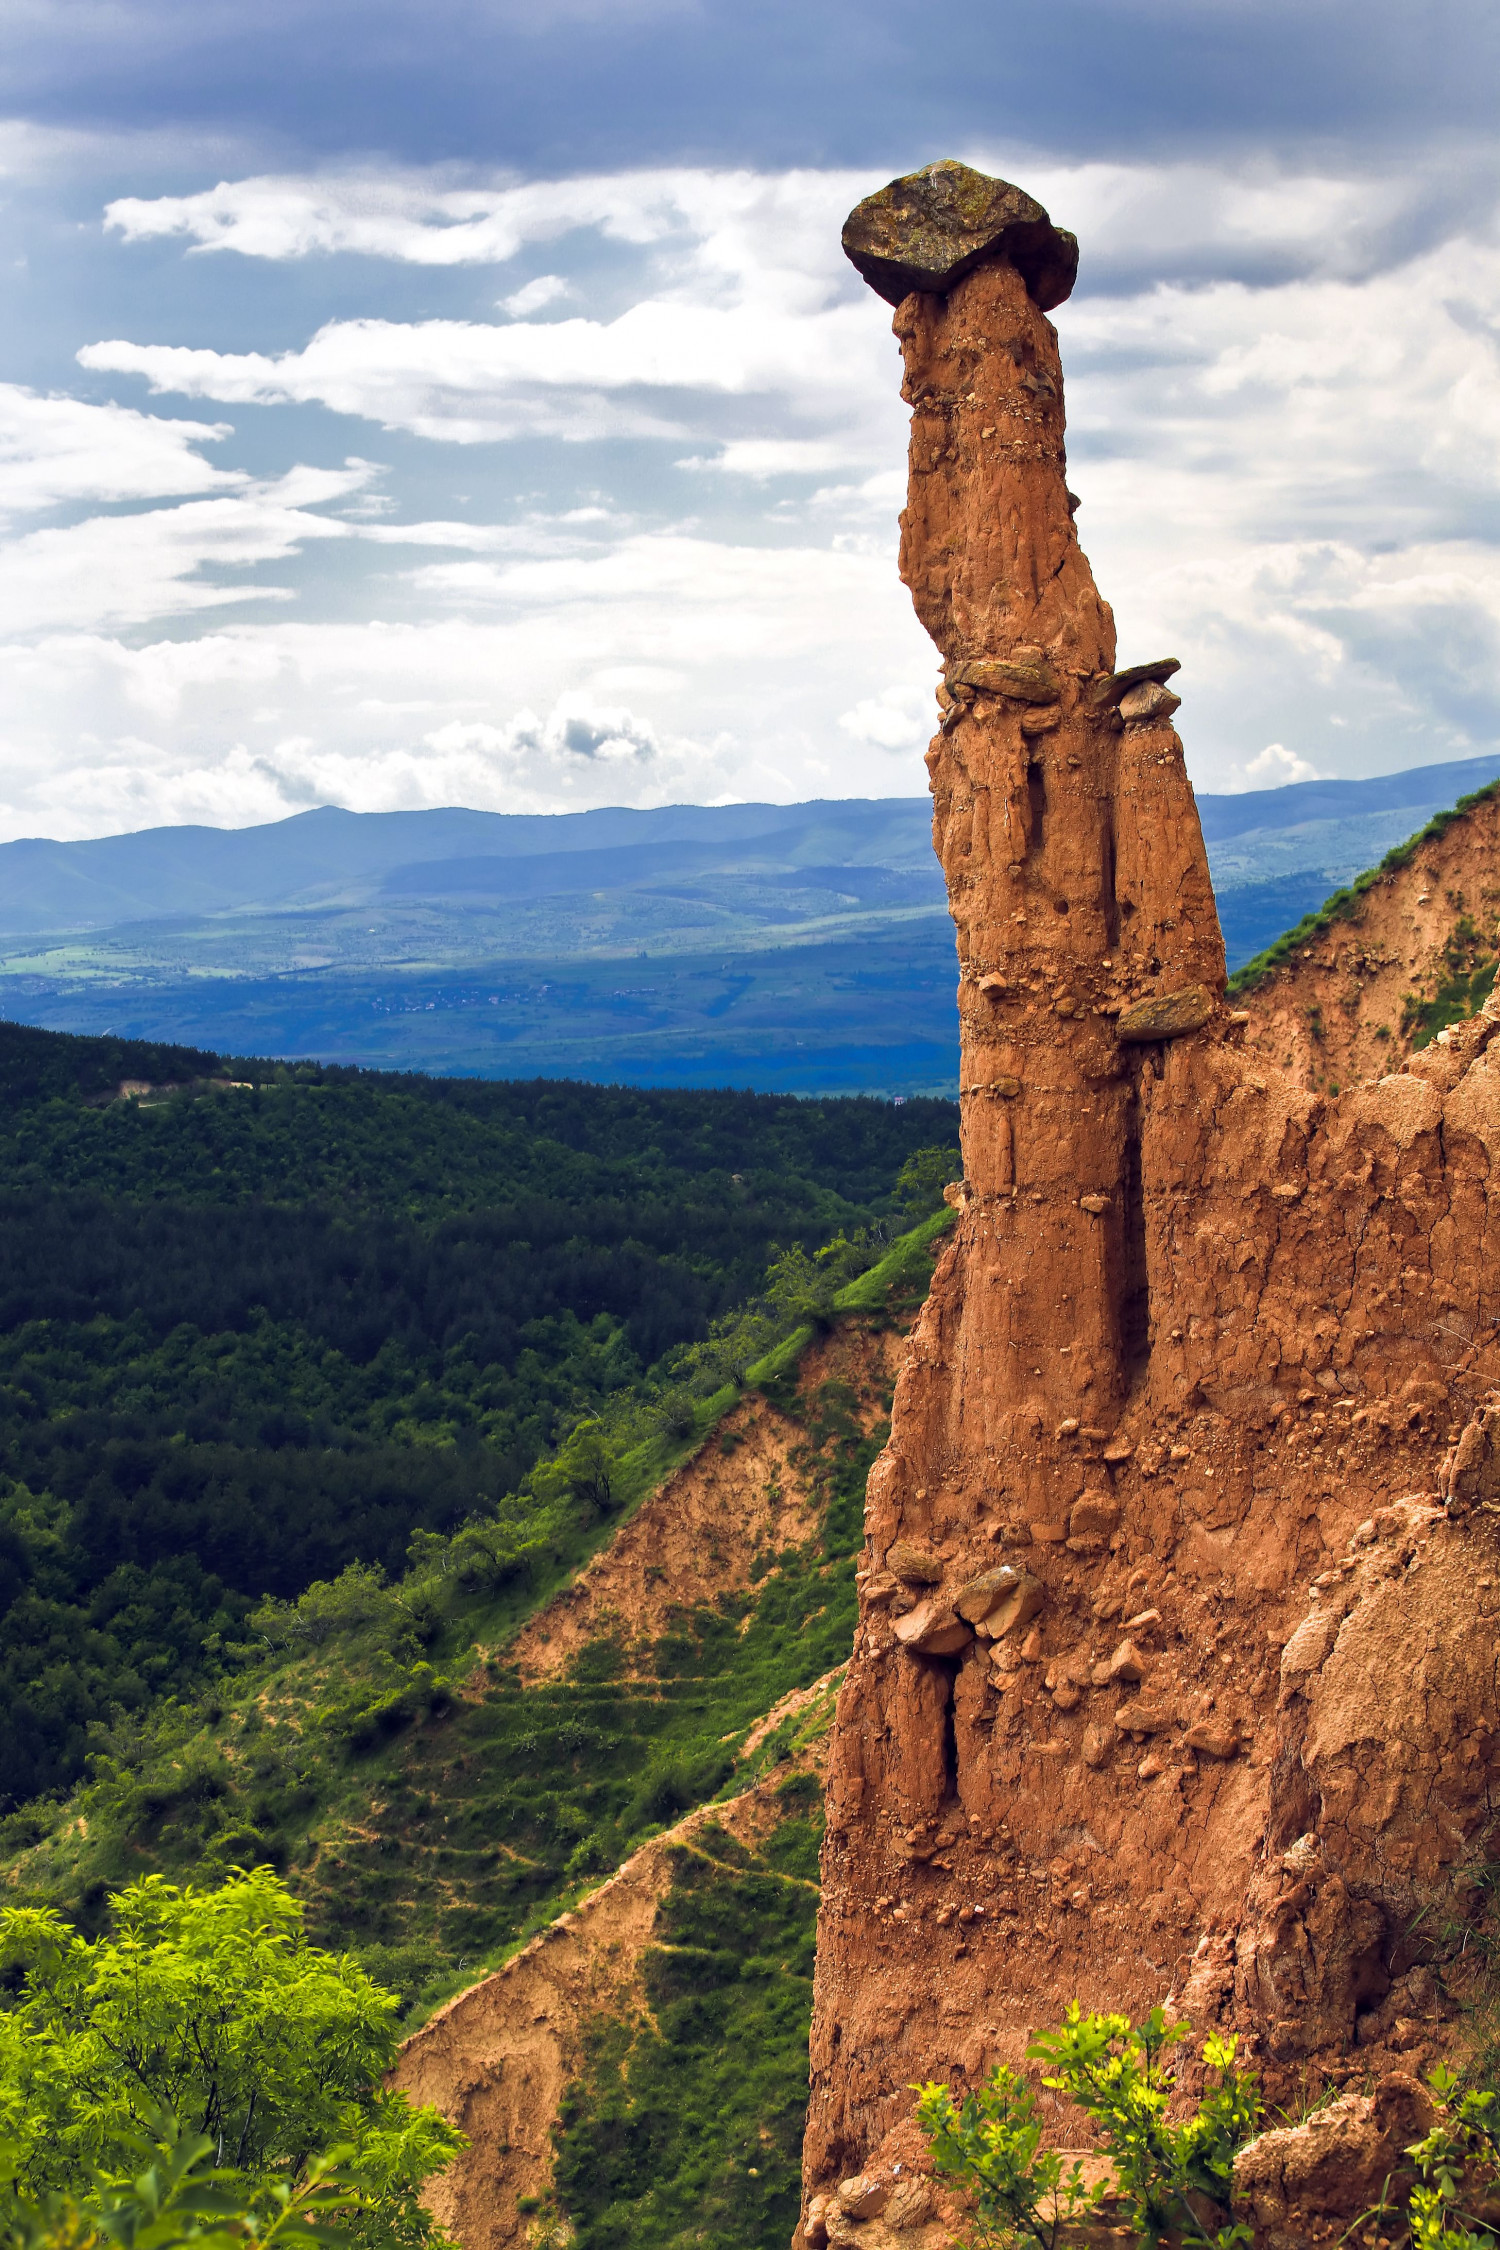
[[1344, 905], [1389, 965], [1173, 2179]]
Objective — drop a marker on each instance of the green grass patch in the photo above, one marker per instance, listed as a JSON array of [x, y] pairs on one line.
[[902, 1276], [897, 1282]]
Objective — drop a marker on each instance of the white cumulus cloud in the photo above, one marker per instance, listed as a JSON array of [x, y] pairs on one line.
[[56, 450], [134, 569], [1274, 767], [643, 375], [901, 718], [546, 289], [575, 727]]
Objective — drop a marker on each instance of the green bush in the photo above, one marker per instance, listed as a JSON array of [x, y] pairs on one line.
[[209, 2005], [585, 1470], [922, 1179], [168, 2196], [1176, 2178], [1458, 2166]]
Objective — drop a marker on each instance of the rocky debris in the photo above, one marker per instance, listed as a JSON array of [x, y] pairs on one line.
[[1337, 2165], [1094, 1517], [992, 1590], [1307, 1647], [933, 1629], [699, 1536], [929, 229], [1113, 687], [1022, 683], [1017, 1609], [1471, 1474], [913, 1565], [1212, 1740], [1252, 1349], [892, 2209], [1148, 701], [1142, 1717], [863, 2197]]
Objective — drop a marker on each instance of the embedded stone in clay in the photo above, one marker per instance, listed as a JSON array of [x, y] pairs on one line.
[[1167, 1015], [1149, 700], [1023, 683], [1017, 1609], [980, 1595], [913, 1564], [1114, 685], [933, 1630], [928, 229]]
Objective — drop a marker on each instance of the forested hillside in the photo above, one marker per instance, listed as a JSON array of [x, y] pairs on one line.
[[259, 1324]]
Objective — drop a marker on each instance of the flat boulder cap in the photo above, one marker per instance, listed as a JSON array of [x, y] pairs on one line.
[[930, 228]]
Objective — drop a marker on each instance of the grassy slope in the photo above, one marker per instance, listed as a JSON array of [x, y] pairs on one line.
[[1446, 1005], [433, 1811], [250, 1337], [685, 2123]]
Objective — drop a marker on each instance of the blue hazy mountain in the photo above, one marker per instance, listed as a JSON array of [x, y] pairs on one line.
[[798, 948], [328, 857]]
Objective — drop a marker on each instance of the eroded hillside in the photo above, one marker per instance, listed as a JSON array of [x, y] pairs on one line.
[[1387, 966], [533, 2060], [715, 1528], [580, 1808], [640, 1991]]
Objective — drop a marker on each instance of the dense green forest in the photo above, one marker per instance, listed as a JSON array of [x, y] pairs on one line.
[[254, 1333]]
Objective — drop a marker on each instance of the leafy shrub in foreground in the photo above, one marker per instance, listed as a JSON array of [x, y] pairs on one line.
[[210, 2005], [1177, 2179], [175, 2198], [1458, 2164]]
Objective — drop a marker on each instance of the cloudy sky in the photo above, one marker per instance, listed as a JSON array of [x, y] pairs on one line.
[[460, 402]]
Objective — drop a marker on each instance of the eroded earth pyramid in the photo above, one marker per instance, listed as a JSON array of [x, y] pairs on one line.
[[1175, 1665]]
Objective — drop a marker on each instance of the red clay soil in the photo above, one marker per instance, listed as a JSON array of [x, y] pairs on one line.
[[1219, 1720]]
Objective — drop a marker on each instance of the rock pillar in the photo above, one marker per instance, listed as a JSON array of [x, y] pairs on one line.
[[1080, 896], [1067, 830], [1140, 1600]]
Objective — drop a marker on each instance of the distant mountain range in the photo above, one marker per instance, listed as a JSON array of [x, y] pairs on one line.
[[791, 947]]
